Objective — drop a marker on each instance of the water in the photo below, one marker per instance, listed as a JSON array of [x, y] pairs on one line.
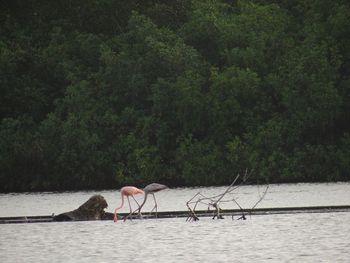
[[283, 195], [313, 237]]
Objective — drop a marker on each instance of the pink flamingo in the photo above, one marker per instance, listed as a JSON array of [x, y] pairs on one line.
[[127, 191]]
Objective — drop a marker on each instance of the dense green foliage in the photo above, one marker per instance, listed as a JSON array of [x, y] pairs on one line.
[[103, 93]]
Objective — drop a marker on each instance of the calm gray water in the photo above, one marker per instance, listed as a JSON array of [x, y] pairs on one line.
[[314, 237]]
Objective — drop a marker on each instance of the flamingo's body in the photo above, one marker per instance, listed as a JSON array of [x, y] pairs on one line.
[[127, 191], [151, 189]]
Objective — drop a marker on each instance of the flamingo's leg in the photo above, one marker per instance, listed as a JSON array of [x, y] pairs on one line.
[[139, 207], [130, 210], [136, 201], [155, 205]]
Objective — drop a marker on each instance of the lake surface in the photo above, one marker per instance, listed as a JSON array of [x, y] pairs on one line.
[[306, 237]]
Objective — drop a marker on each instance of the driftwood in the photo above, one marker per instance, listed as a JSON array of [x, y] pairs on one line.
[[214, 201], [92, 209]]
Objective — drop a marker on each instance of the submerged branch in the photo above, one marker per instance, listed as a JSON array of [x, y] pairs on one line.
[[225, 197]]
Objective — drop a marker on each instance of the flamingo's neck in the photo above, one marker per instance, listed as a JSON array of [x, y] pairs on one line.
[[115, 211], [144, 201]]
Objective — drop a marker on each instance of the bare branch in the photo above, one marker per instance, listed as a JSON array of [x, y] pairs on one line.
[[225, 197], [214, 201]]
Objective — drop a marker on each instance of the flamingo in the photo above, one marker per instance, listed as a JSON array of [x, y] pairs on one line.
[[151, 189], [127, 191]]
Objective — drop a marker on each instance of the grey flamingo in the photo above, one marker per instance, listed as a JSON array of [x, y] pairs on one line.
[[151, 189]]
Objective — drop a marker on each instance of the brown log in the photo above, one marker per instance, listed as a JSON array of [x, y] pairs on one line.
[[92, 209]]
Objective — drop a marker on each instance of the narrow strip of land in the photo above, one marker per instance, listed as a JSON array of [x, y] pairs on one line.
[[199, 213]]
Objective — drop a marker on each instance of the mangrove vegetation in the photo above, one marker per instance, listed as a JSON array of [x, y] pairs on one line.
[[97, 94]]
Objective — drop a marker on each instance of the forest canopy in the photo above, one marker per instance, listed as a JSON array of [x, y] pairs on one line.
[[97, 94]]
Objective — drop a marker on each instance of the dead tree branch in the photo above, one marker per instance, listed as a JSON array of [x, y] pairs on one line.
[[225, 197], [214, 201]]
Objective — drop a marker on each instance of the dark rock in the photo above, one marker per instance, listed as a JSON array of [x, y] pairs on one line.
[[92, 209]]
